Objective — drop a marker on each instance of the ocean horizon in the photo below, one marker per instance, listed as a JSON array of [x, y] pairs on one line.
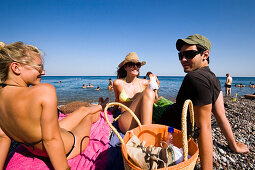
[[70, 88]]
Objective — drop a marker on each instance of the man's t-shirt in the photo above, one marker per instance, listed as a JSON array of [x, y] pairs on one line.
[[200, 86]]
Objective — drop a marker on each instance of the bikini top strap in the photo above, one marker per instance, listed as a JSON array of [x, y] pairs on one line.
[[31, 144], [124, 80], [140, 85], [3, 85]]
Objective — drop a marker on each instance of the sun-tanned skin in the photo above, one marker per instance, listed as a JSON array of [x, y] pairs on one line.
[[29, 114], [142, 98]]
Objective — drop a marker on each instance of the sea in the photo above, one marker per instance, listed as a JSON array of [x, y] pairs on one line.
[[69, 88]]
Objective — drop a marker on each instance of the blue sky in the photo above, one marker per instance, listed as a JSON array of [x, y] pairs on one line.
[[91, 37]]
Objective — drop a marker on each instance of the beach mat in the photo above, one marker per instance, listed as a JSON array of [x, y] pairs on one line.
[[95, 156]]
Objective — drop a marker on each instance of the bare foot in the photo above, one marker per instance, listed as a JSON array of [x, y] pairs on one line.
[[100, 101], [104, 103], [94, 117]]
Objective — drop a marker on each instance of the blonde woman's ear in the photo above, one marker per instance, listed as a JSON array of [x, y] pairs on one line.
[[16, 68]]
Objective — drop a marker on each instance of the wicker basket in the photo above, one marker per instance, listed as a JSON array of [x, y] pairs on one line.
[[153, 134]]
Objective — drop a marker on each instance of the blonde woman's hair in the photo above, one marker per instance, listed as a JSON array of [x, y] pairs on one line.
[[15, 52]]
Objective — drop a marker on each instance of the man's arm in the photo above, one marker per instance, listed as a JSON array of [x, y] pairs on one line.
[[205, 144], [51, 136], [219, 113], [227, 80], [5, 143]]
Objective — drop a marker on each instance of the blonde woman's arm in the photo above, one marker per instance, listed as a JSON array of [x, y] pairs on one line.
[[5, 143], [51, 136]]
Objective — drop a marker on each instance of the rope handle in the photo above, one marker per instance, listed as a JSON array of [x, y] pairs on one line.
[[184, 123], [109, 123], [187, 103]]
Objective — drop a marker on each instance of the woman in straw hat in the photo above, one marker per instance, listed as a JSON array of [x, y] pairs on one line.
[[132, 91], [28, 110]]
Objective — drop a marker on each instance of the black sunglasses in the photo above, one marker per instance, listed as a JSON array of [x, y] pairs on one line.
[[131, 64], [188, 54]]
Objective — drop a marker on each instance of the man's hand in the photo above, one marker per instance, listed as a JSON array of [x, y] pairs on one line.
[[240, 148]]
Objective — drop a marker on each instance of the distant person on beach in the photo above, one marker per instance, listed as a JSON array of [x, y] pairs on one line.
[[84, 86], [98, 88], [90, 85], [28, 110], [228, 85], [110, 85], [203, 88], [132, 92], [153, 83]]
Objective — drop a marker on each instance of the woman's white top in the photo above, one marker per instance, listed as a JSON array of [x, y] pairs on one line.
[[153, 83]]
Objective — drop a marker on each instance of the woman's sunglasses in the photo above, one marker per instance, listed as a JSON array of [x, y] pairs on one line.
[[39, 68], [131, 64], [188, 54]]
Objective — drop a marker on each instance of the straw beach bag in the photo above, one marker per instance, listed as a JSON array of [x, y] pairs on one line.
[[154, 134]]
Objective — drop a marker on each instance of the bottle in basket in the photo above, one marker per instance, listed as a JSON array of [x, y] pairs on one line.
[[169, 139]]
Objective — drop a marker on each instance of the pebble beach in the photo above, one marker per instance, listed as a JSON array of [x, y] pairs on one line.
[[241, 115]]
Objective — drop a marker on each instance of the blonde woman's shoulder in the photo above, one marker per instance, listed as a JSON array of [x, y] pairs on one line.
[[44, 86], [44, 91]]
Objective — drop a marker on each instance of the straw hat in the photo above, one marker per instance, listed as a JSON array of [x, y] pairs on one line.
[[131, 57]]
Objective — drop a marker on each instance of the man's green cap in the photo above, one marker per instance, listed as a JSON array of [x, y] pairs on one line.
[[195, 39]]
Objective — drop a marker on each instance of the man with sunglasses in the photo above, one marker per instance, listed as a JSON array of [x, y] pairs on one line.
[[203, 88]]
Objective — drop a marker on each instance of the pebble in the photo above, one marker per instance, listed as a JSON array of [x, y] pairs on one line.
[[231, 159], [224, 159], [222, 151]]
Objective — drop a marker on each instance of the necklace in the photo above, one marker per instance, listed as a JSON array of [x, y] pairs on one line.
[[4, 85]]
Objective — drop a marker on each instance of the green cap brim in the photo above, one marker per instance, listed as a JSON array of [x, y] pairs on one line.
[[181, 42]]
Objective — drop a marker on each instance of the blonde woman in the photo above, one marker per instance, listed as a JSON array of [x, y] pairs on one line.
[[133, 92], [28, 110]]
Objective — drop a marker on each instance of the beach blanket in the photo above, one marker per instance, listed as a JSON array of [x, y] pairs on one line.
[[95, 156]]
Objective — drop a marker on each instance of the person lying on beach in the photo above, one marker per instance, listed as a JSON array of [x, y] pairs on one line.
[[90, 85], [202, 87], [28, 110], [110, 85], [132, 92], [153, 83]]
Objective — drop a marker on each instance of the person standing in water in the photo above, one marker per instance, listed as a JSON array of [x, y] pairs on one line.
[[228, 85]]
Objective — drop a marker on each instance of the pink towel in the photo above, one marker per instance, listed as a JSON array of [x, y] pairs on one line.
[[94, 157]]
